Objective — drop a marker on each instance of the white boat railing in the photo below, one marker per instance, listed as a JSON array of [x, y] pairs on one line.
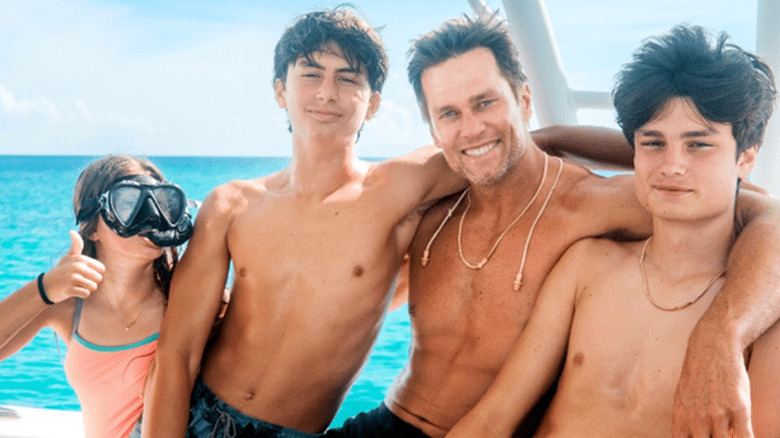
[[556, 103]]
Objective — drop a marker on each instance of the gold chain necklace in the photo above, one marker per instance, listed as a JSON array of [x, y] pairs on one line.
[[484, 261], [647, 287]]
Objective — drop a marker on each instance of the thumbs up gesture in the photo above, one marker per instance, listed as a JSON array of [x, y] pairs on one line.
[[75, 275]]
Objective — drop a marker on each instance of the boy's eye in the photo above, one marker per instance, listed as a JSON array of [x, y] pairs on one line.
[[700, 144], [651, 143]]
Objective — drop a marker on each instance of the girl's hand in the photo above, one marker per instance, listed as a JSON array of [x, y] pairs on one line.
[[75, 275]]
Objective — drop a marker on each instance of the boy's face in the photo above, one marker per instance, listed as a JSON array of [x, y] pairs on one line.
[[475, 116], [325, 97], [685, 165]]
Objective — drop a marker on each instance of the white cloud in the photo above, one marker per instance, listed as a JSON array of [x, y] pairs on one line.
[[11, 105]]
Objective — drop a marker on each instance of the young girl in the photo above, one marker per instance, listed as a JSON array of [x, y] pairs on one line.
[[106, 296]]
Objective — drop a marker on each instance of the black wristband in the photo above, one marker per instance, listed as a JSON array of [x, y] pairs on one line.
[[42, 291]]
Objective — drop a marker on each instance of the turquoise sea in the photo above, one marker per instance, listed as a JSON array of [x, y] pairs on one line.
[[35, 216]]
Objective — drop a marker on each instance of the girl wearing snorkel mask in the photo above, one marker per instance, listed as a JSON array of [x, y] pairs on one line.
[[106, 296]]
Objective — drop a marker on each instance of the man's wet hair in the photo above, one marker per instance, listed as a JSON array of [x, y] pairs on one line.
[[725, 83], [332, 31], [456, 37]]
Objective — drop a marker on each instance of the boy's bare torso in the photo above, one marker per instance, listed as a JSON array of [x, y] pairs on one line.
[[624, 387], [312, 282]]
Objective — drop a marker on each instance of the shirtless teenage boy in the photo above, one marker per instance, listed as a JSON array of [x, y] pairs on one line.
[[621, 313], [315, 249], [478, 259]]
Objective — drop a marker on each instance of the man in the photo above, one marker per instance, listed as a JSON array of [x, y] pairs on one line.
[[478, 259], [621, 313]]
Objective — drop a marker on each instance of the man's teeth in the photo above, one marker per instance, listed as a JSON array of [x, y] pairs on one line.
[[479, 151]]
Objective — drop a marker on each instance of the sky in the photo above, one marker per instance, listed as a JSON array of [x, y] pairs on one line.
[[193, 77]]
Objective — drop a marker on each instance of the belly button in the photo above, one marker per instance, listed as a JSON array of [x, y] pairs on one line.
[[357, 271], [242, 272], [249, 396]]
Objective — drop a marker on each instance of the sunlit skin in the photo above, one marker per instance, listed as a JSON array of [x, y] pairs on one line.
[[686, 174], [315, 248], [327, 100], [477, 119], [465, 321], [686, 165]]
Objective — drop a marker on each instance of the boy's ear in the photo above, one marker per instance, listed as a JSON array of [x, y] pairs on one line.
[[746, 161], [279, 93], [373, 104]]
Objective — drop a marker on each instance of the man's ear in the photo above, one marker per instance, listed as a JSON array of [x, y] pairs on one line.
[[525, 102], [279, 93], [746, 161], [373, 104]]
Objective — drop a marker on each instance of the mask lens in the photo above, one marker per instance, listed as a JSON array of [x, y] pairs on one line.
[[124, 200], [171, 202]]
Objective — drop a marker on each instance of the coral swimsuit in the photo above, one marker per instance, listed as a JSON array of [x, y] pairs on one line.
[[108, 381]]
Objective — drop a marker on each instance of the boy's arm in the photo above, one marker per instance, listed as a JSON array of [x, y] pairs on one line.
[[713, 391], [194, 302], [534, 361], [765, 383], [593, 146]]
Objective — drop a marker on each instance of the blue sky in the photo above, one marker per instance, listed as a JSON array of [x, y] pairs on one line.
[[194, 77]]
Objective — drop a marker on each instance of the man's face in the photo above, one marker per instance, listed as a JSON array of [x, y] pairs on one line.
[[476, 118], [325, 97], [685, 165]]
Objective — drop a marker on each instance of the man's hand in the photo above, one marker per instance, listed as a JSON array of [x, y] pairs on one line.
[[713, 394]]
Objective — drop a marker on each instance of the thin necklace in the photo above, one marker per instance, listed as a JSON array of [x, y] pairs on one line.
[[484, 261], [519, 277], [647, 287]]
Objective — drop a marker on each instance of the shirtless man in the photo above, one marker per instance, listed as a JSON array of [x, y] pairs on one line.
[[479, 258], [620, 313], [315, 249]]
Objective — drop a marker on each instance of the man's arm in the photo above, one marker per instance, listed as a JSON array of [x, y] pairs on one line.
[[534, 361], [195, 298], [713, 391], [591, 146], [765, 383]]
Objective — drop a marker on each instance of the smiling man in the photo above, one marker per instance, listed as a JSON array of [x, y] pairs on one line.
[[479, 258]]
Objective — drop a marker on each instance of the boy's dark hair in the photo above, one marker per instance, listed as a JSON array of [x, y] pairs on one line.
[[724, 82], [456, 37], [326, 31]]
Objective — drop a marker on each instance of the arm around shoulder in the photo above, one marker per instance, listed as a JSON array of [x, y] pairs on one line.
[[597, 145], [713, 378], [194, 302]]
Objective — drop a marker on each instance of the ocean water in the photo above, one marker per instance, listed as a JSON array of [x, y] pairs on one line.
[[35, 216]]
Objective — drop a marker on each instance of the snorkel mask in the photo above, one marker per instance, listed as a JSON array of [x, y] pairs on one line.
[[140, 204]]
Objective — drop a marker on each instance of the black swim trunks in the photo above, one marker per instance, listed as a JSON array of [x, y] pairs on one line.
[[377, 423]]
